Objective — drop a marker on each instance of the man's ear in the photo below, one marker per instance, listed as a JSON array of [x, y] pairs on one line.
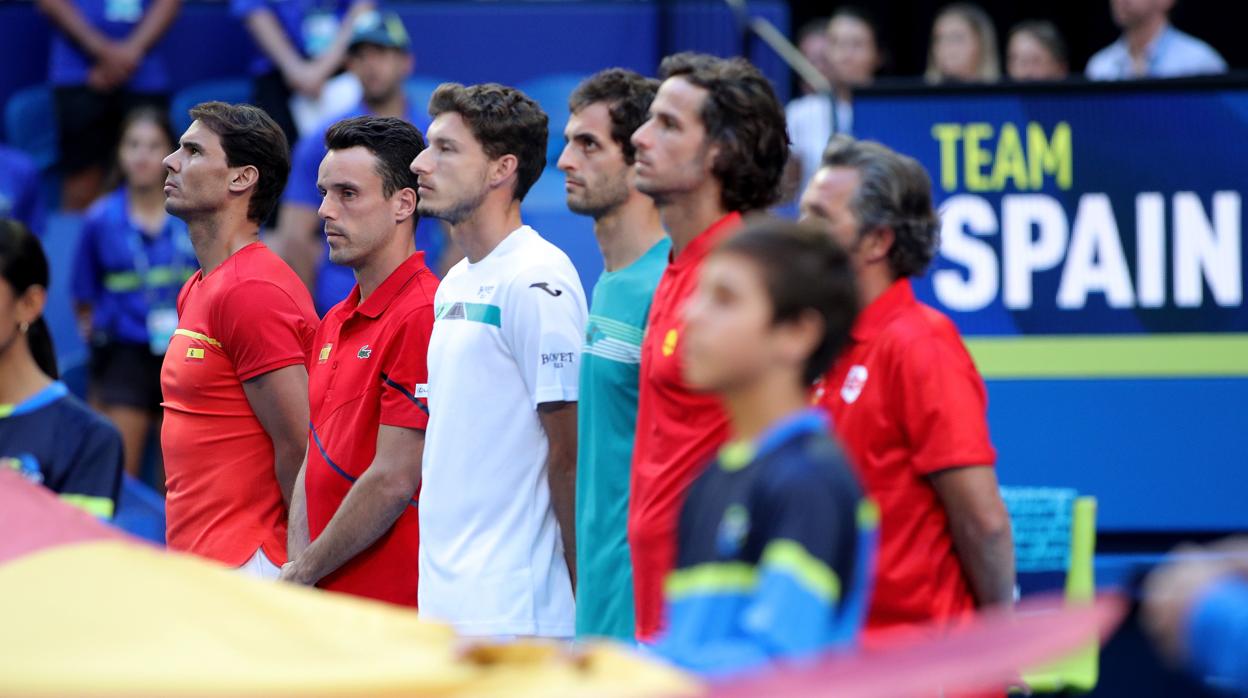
[[404, 202], [244, 178], [877, 243], [502, 169]]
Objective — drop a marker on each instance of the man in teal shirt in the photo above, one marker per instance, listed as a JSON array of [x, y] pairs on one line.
[[598, 163]]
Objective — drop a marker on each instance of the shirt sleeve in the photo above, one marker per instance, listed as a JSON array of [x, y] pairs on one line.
[[305, 163], [86, 284], [1217, 633], [543, 324], [405, 373], [943, 406], [261, 328], [93, 480]]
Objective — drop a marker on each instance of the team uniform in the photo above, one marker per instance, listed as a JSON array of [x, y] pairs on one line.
[[131, 280], [678, 431], [907, 402], [19, 189], [54, 440], [334, 281], [369, 370], [506, 339], [606, 427], [250, 316], [775, 553]]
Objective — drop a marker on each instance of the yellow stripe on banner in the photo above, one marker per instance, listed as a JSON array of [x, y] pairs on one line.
[[711, 578], [811, 572], [1118, 356], [101, 507], [196, 335]]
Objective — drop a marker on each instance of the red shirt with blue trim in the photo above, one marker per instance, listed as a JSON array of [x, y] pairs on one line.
[[907, 401], [368, 368]]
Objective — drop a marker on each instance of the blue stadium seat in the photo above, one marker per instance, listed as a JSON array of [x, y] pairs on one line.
[[30, 124], [233, 90], [552, 92]]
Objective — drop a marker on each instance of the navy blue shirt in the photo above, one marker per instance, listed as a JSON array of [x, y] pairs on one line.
[[775, 552], [124, 273], [116, 19], [54, 440], [309, 24], [334, 282], [19, 189]]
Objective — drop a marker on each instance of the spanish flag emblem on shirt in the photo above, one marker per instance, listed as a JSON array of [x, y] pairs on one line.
[[325, 353], [195, 354]]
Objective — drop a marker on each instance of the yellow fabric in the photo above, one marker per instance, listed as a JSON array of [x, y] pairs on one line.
[[112, 618], [101, 507], [196, 335], [806, 569]]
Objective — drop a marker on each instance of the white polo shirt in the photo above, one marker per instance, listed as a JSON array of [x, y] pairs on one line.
[[507, 337]]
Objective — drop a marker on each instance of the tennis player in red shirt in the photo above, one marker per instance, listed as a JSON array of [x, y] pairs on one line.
[[908, 402], [353, 518], [713, 147], [234, 382]]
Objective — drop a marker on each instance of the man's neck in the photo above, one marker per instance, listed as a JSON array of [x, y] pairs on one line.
[[1141, 36], [215, 239], [395, 106], [483, 230], [689, 215], [872, 283], [755, 407], [379, 266], [628, 232]]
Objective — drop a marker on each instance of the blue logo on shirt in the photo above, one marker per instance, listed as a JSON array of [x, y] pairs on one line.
[[26, 464], [733, 530]]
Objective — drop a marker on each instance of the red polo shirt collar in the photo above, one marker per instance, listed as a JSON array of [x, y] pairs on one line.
[[875, 317], [389, 289], [701, 246]]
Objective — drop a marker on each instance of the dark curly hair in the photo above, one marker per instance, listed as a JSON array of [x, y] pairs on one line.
[[504, 120], [895, 193], [627, 95], [741, 114], [803, 270], [393, 142], [250, 137]]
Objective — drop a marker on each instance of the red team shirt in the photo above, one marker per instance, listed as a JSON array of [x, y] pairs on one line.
[[678, 431], [250, 316], [907, 401], [367, 368]]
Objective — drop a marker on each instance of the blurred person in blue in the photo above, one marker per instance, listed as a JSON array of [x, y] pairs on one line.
[[1195, 607], [854, 56], [20, 196], [105, 61], [46, 434], [597, 163], [302, 44], [380, 55], [1150, 47], [132, 259], [776, 537]]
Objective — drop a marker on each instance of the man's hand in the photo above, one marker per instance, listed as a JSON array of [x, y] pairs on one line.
[[294, 573], [1171, 590]]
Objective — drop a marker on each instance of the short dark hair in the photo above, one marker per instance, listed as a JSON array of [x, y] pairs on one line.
[[504, 120], [742, 114], [393, 142], [1046, 33], [250, 137], [627, 96], [894, 192], [803, 270]]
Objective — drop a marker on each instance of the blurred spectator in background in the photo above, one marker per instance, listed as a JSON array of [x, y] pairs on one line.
[[46, 434], [132, 260], [812, 41], [103, 64], [964, 46], [1150, 47], [302, 44], [1036, 51], [380, 56], [854, 55], [20, 196], [1196, 609]]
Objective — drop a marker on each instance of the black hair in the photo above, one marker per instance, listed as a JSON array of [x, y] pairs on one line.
[[627, 95], [22, 265], [250, 137], [393, 142]]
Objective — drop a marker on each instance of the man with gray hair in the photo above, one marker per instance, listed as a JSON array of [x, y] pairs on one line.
[[908, 402]]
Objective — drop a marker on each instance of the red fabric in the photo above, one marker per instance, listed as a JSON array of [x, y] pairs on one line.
[[678, 431], [361, 353], [34, 518], [250, 316], [920, 407]]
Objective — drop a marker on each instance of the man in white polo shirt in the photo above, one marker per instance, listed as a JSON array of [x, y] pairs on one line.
[[497, 508]]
